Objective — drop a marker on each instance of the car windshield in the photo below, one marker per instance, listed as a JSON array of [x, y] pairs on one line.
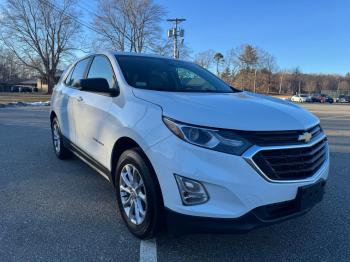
[[163, 74]]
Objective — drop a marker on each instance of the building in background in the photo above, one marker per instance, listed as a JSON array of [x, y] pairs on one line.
[[36, 84]]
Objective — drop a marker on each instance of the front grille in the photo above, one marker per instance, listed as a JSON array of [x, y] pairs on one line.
[[292, 163], [280, 138]]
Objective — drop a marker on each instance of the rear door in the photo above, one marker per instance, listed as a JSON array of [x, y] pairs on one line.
[[92, 110]]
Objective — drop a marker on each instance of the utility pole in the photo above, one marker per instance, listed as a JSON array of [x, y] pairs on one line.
[[176, 32]]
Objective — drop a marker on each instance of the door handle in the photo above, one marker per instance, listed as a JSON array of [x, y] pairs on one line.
[[80, 99]]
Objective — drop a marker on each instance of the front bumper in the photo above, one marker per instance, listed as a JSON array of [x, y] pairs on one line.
[[235, 188], [261, 216]]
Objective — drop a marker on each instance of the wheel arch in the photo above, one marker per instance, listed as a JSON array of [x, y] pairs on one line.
[[125, 143], [52, 116]]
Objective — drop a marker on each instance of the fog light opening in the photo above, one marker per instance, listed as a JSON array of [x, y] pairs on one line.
[[192, 192]]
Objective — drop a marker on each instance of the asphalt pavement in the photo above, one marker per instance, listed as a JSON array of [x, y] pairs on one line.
[[52, 210]]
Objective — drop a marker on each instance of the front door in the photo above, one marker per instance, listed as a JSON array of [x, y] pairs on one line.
[[91, 112], [68, 99]]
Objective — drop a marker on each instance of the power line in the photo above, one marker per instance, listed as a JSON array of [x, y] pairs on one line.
[[86, 9], [72, 17]]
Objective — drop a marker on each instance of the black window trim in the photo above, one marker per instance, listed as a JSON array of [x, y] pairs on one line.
[[68, 75]]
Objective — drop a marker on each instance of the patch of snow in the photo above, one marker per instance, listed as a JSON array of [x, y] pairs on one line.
[[40, 103], [47, 103]]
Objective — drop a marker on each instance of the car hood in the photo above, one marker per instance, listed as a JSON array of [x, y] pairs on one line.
[[240, 111]]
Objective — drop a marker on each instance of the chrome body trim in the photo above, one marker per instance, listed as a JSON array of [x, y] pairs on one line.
[[92, 166]]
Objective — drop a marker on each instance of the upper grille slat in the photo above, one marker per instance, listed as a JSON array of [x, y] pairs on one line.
[[291, 153], [273, 138]]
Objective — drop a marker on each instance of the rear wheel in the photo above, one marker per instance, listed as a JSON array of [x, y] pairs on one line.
[[137, 194], [61, 151]]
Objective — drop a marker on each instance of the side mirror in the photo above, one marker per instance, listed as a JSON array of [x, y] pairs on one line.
[[99, 85]]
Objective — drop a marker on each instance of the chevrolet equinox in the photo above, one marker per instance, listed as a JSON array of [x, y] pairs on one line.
[[184, 150]]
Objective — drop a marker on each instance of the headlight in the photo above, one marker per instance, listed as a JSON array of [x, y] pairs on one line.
[[218, 140]]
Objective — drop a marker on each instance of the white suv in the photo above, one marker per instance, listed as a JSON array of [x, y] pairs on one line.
[[300, 98], [185, 150]]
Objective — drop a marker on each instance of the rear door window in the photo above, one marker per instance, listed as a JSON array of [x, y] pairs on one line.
[[67, 80], [78, 72]]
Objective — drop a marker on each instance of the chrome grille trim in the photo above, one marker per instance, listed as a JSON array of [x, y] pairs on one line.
[[251, 152]]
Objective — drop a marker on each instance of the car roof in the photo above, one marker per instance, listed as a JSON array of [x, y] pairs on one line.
[[114, 53]]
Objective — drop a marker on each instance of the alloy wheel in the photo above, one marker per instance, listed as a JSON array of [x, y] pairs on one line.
[[133, 194], [56, 137]]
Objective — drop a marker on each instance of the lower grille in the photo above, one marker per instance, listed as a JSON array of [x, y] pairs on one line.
[[292, 163]]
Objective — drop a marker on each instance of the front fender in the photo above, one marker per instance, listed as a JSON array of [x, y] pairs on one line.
[[138, 120]]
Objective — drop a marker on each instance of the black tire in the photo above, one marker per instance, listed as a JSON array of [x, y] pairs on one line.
[[152, 220], [61, 151]]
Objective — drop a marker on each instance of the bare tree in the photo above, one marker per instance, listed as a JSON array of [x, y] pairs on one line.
[[11, 69], [344, 85], [129, 25], [296, 82], [165, 48], [40, 33], [268, 64], [205, 59], [252, 68], [232, 62], [281, 77]]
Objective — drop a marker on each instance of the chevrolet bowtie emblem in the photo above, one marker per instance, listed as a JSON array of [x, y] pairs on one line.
[[306, 137]]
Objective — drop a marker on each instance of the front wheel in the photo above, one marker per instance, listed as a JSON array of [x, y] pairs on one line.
[[138, 196]]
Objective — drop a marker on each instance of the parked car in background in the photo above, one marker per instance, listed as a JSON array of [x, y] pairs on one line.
[[321, 98], [327, 99], [15, 89], [343, 99], [184, 149], [300, 98], [315, 98], [25, 89]]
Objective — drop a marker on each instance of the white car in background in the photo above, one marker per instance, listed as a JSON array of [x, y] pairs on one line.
[[300, 98], [184, 149]]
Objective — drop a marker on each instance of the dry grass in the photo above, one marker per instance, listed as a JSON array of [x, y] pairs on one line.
[[282, 96], [6, 98]]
